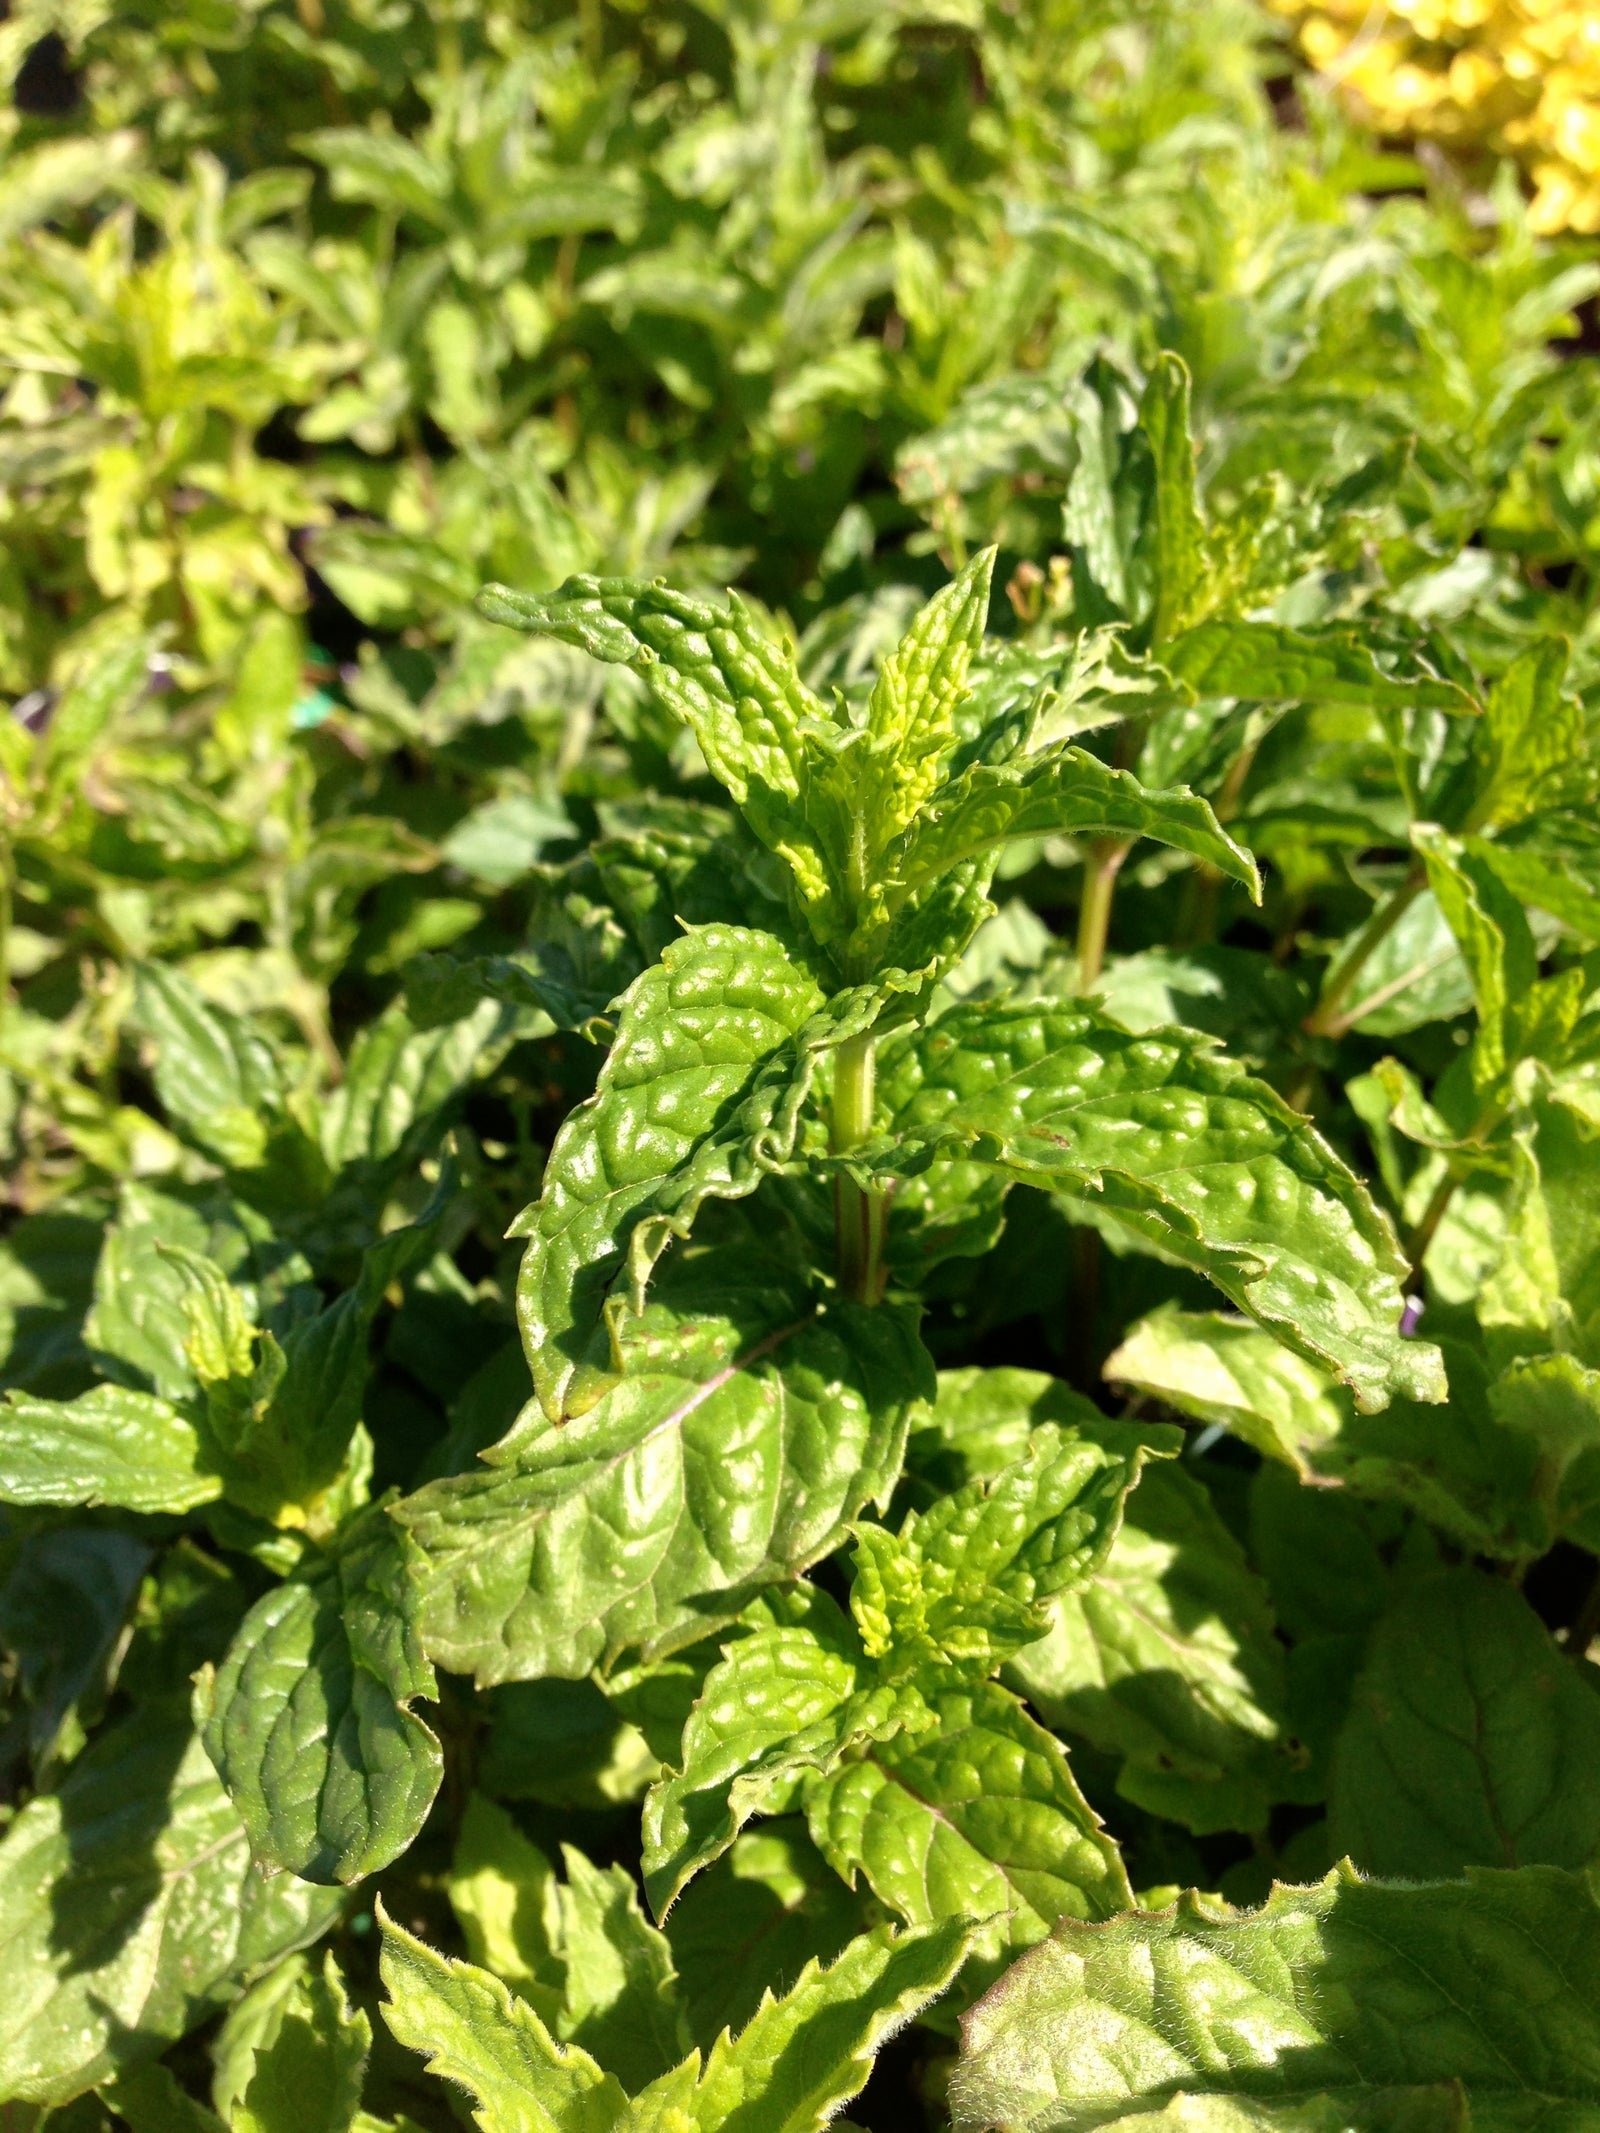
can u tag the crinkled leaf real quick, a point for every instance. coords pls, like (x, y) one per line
(215, 1074)
(1163, 1137)
(1471, 1739)
(807, 2052)
(1530, 746)
(699, 1098)
(1268, 659)
(129, 1909)
(769, 1906)
(1063, 792)
(977, 1816)
(711, 666)
(309, 1717)
(753, 1426)
(1325, 1996)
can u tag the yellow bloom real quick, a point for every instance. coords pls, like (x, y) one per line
(1518, 77)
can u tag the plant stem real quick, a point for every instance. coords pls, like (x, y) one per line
(1586, 1623)
(860, 1214)
(1326, 1019)
(1100, 872)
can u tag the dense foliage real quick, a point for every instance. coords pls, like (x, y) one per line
(736, 1318)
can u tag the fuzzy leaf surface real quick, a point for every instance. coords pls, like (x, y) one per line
(1323, 1997)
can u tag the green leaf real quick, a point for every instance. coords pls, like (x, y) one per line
(127, 1450)
(781, 1701)
(805, 2053)
(939, 1603)
(1168, 1660)
(1322, 1998)
(216, 1076)
(65, 1597)
(699, 1097)
(1530, 747)
(1505, 1469)
(475, 2033)
(1268, 660)
(1228, 1372)
(1063, 792)
(982, 1420)
(581, 1952)
(769, 1905)
(976, 1816)
(1178, 557)
(756, 1426)
(1471, 1739)
(309, 1717)
(965, 1582)
(711, 667)
(129, 1910)
(910, 727)
(1496, 942)
(292, 2055)
(1161, 1136)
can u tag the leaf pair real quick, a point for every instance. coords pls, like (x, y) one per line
(888, 847)
(912, 1767)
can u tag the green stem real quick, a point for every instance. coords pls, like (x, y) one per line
(860, 1214)
(1100, 871)
(1327, 1018)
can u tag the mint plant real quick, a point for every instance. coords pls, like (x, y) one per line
(827, 1347)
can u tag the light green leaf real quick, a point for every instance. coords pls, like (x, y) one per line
(781, 1701)
(1168, 1660)
(1323, 1997)
(292, 2055)
(1505, 1469)
(1471, 1739)
(976, 1816)
(756, 1427)
(581, 1952)
(309, 1717)
(1496, 942)
(1226, 1371)
(699, 1097)
(1554, 1401)
(1179, 1145)
(473, 2032)
(1063, 792)
(1269, 660)
(1530, 747)
(216, 1076)
(129, 1910)
(982, 1420)
(806, 2053)
(910, 724)
(710, 666)
(938, 1604)
(1178, 545)
(127, 1450)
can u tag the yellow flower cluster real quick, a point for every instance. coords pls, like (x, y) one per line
(1521, 77)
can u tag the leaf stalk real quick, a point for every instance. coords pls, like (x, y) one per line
(860, 1214)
